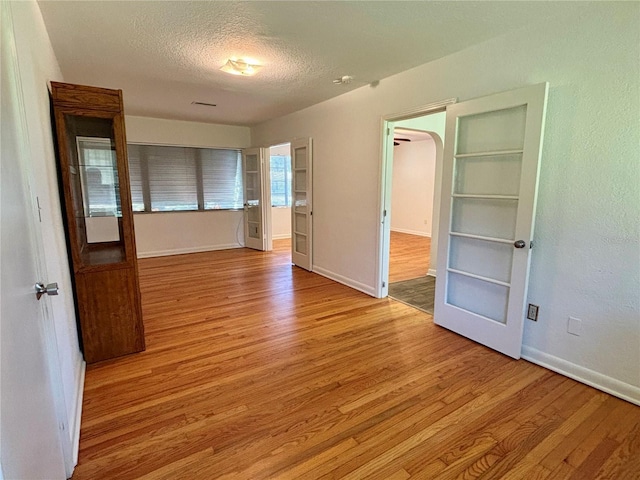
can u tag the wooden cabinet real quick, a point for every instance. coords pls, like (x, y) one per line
(94, 178)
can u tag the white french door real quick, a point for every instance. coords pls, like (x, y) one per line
(487, 212)
(256, 197)
(302, 205)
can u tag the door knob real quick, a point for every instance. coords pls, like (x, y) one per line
(49, 289)
(519, 244)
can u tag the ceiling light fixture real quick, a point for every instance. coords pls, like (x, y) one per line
(343, 80)
(240, 66)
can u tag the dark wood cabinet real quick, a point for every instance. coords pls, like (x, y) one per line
(94, 171)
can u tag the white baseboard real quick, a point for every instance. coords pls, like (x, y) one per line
(77, 417)
(411, 232)
(431, 272)
(181, 251)
(281, 236)
(584, 375)
(345, 281)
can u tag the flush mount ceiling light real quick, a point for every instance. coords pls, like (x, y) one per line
(343, 80)
(240, 66)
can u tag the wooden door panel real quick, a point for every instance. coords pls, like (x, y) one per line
(110, 319)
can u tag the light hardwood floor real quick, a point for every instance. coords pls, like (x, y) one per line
(256, 369)
(409, 256)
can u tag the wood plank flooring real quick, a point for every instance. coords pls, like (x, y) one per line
(409, 256)
(259, 370)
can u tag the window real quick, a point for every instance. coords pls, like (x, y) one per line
(98, 177)
(280, 181)
(169, 179)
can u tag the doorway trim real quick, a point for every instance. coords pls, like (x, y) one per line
(385, 175)
(270, 236)
(266, 182)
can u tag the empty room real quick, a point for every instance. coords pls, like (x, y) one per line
(206, 206)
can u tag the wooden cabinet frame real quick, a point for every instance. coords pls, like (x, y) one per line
(105, 273)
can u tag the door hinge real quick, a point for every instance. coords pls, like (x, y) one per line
(531, 244)
(39, 209)
(388, 131)
(384, 284)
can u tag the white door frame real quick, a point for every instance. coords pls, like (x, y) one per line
(386, 175)
(269, 230)
(265, 181)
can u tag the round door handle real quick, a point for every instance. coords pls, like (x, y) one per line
(519, 244)
(49, 289)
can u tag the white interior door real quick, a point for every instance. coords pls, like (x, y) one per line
(31, 445)
(255, 198)
(489, 191)
(385, 220)
(302, 208)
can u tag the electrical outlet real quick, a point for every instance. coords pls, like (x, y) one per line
(574, 326)
(532, 312)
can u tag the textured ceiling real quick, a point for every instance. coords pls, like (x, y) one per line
(164, 55)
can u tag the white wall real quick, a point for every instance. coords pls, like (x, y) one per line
(185, 232)
(435, 124)
(181, 133)
(586, 260)
(38, 65)
(173, 233)
(282, 149)
(414, 171)
(280, 222)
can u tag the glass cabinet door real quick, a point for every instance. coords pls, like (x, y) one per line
(94, 181)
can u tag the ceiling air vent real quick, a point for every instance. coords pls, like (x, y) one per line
(205, 104)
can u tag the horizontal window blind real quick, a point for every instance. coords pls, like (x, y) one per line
(280, 170)
(135, 178)
(166, 178)
(99, 177)
(172, 179)
(221, 179)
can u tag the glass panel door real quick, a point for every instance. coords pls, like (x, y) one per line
(489, 184)
(484, 210)
(253, 205)
(301, 211)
